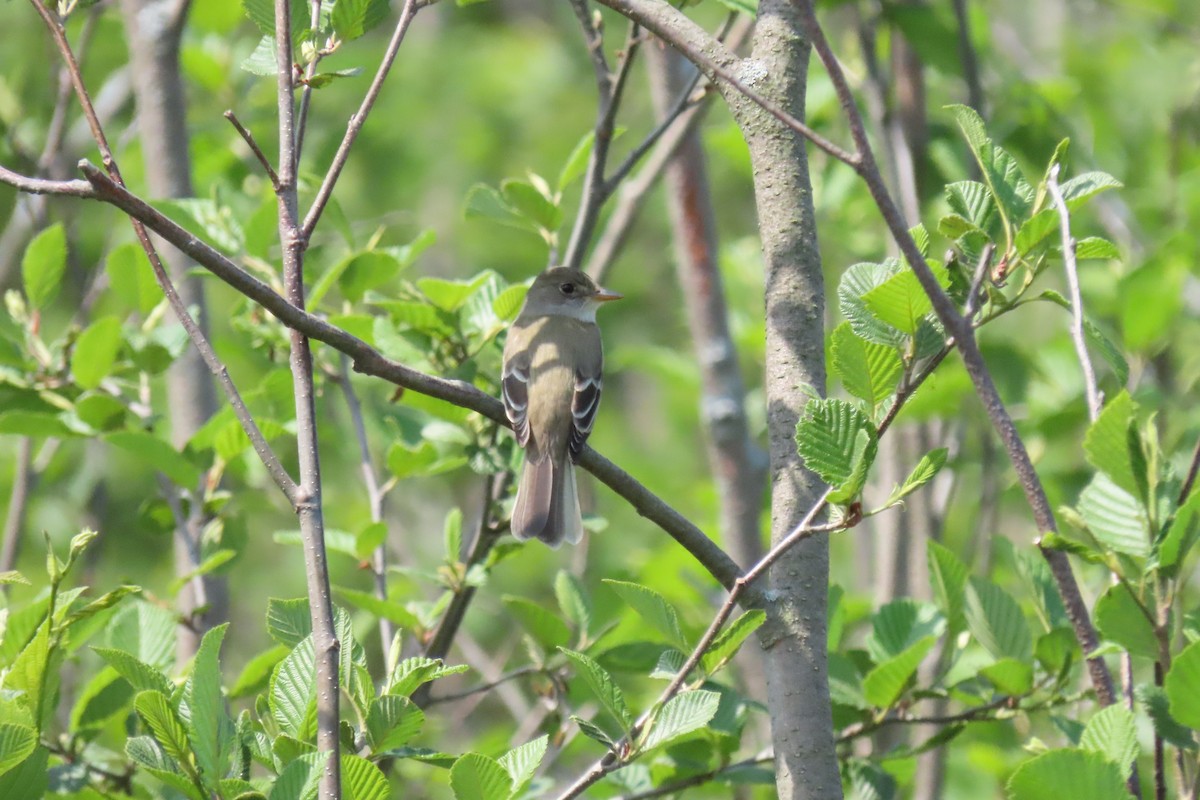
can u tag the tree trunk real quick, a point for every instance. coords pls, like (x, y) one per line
(795, 636)
(153, 29)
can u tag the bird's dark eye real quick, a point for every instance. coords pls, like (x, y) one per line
(567, 288)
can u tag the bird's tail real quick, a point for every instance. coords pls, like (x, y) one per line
(547, 505)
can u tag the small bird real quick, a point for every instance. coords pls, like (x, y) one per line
(551, 386)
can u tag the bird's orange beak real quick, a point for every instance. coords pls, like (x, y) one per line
(604, 295)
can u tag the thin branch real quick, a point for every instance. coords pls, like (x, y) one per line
(1077, 333)
(30, 185)
(375, 497)
(309, 507)
(975, 293)
(669, 24)
(1190, 481)
(483, 687)
(609, 87)
(254, 148)
(357, 121)
(976, 713)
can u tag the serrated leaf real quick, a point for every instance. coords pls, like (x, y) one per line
(413, 672)
(486, 202)
(508, 303)
(884, 684)
(16, 743)
(679, 716)
(547, 629)
(385, 609)
(653, 608)
(1157, 706)
(573, 601)
(1010, 676)
(1111, 732)
(362, 780)
(996, 621)
(43, 265)
(837, 441)
(1121, 620)
(1182, 686)
(29, 778)
(452, 534)
(522, 762)
(857, 281)
(209, 724)
(971, 201)
(364, 271)
(524, 198)
(145, 631)
(899, 301)
(288, 621)
(1108, 441)
(1111, 354)
(293, 696)
(1114, 517)
(477, 777)
(392, 721)
(868, 370)
(729, 641)
(1035, 230)
(105, 695)
(592, 731)
(156, 711)
(256, 675)
(352, 18)
(450, 295)
(1069, 772)
(926, 469)
(901, 623)
(1180, 535)
(603, 686)
(138, 674)
(1008, 187)
(1096, 247)
(1081, 187)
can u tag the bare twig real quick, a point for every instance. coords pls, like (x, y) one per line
(973, 714)
(375, 497)
(254, 148)
(30, 185)
(309, 507)
(676, 787)
(483, 687)
(357, 121)
(609, 87)
(1077, 332)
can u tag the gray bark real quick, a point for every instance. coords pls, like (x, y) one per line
(153, 29)
(795, 641)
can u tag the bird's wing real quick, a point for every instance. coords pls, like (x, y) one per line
(584, 404)
(514, 382)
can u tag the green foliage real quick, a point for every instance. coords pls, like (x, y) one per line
(837, 441)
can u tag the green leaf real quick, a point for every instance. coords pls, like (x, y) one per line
(972, 202)
(868, 370)
(413, 672)
(288, 621)
(522, 762)
(95, 352)
(547, 629)
(885, 684)
(450, 295)
(901, 623)
(653, 608)
(1069, 772)
(508, 303)
(145, 631)
(100, 699)
(17, 742)
(593, 731)
(34, 674)
(452, 534)
(29, 778)
(524, 198)
(682, 714)
(899, 301)
(392, 721)
(158, 454)
(1157, 706)
(43, 265)
(930, 464)
(1180, 535)
(1108, 441)
(857, 281)
(1111, 732)
(300, 779)
(256, 675)
(477, 777)
(577, 161)
(1097, 248)
(603, 686)
(140, 675)
(369, 539)
(996, 621)
(1121, 620)
(837, 441)
(744, 6)
(352, 18)
(1008, 187)
(362, 780)
(1111, 354)
(369, 269)
(293, 694)
(486, 202)
(1115, 517)
(729, 641)
(1010, 676)
(573, 601)
(210, 727)
(385, 609)
(208, 220)
(1081, 187)
(1183, 686)
(1035, 230)
(156, 711)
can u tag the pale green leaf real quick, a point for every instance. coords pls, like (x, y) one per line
(1183, 686)
(837, 441)
(96, 351)
(477, 777)
(1111, 732)
(729, 641)
(996, 621)
(926, 469)
(884, 684)
(522, 762)
(603, 686)
(43, 265)
(682, 714)
(653, 608)
(1067, 773)
(868, 370)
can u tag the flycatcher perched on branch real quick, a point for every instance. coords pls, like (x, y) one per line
(551, 385)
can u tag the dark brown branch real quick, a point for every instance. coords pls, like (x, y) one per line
(254, 148)
(357, 121)
(483, 687)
